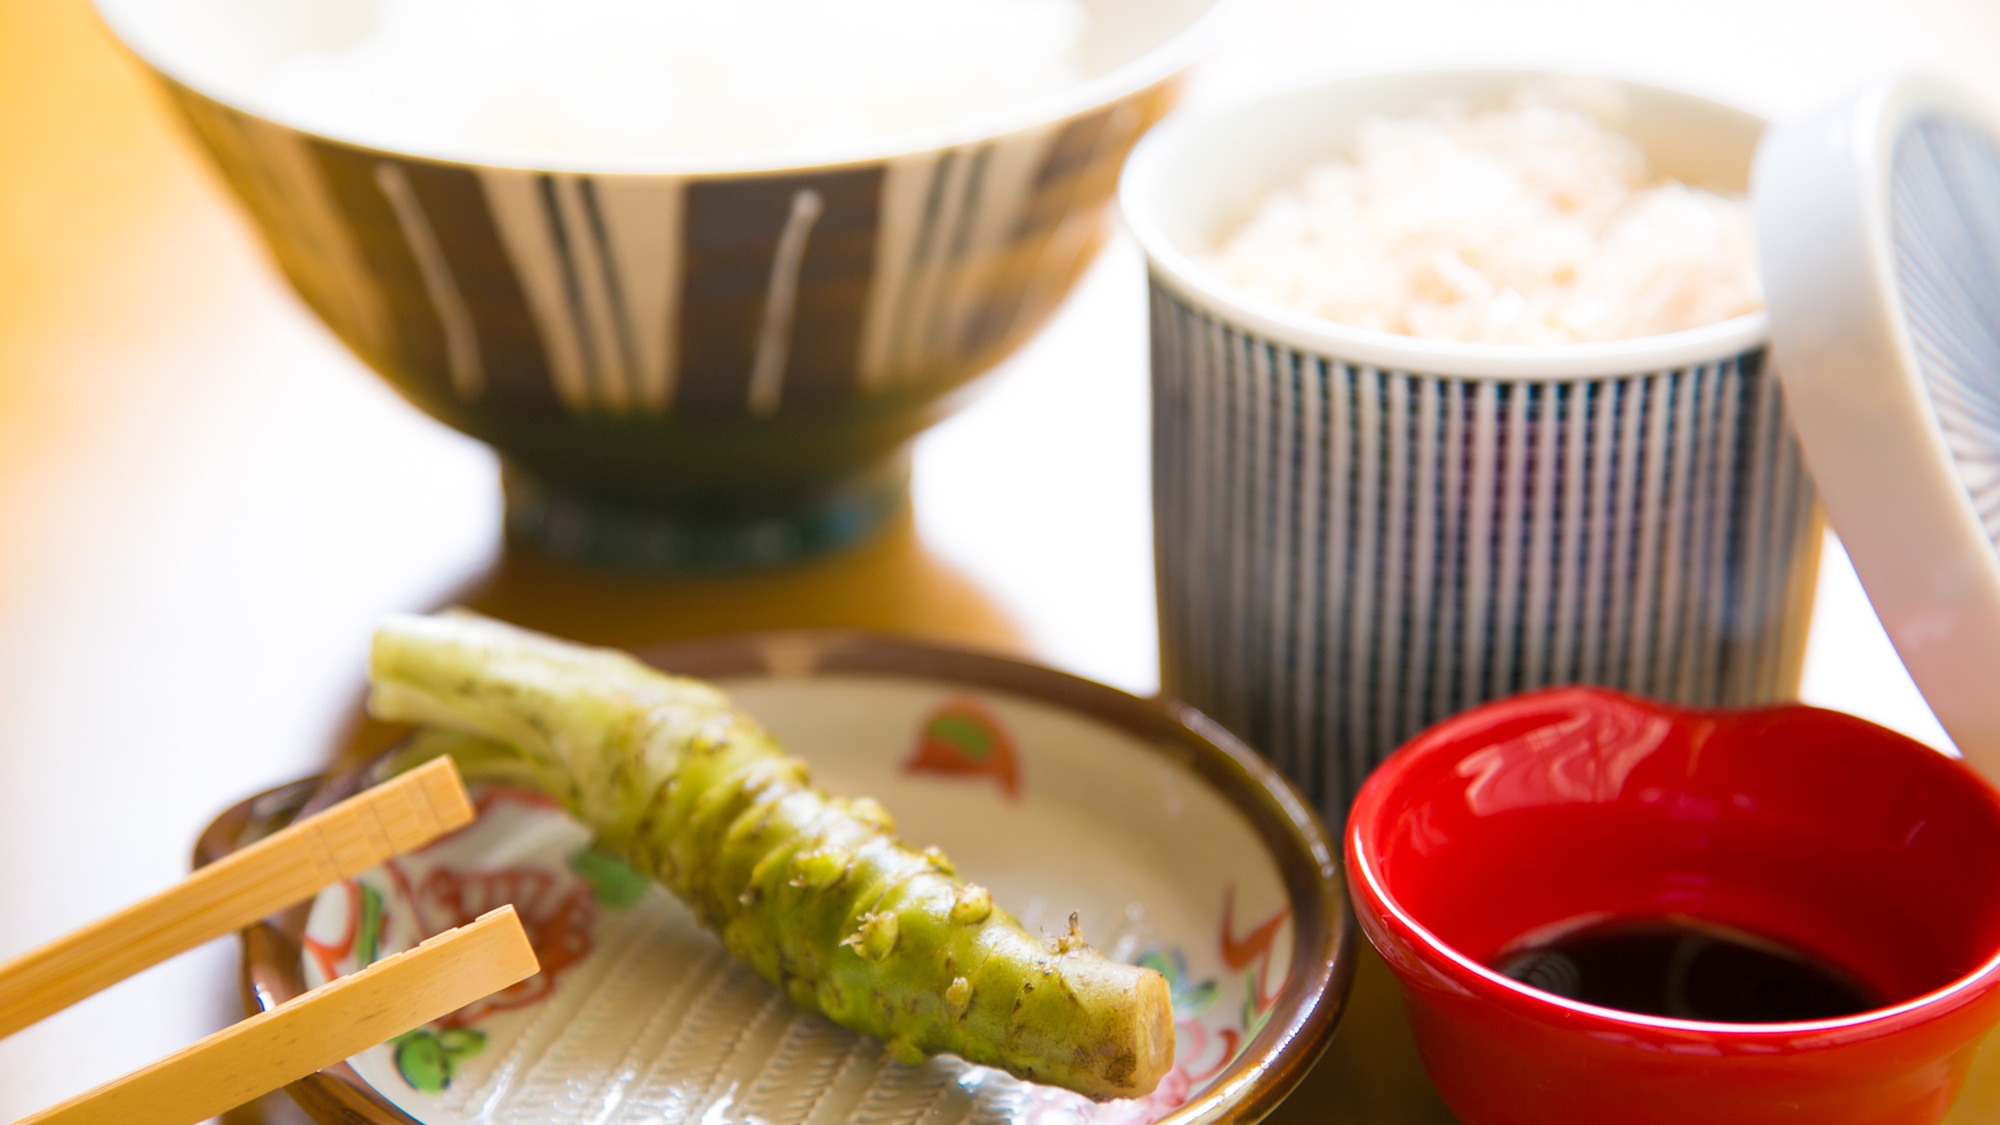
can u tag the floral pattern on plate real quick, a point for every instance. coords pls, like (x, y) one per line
(639, 1016)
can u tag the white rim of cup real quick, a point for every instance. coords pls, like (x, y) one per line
(1179, 271)
(1176, 54)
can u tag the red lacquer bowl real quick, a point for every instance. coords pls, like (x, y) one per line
(1842, 839)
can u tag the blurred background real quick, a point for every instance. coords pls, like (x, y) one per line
(205, 503)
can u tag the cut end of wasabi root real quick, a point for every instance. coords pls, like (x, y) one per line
(812, 891)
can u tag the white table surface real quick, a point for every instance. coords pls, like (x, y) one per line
(220, 666)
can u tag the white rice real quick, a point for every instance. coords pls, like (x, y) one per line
(676, 76)
(1524, 224)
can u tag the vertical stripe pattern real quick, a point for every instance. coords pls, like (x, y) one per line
(1945, 223)
(461, 337)
(737, 298)
(1347, 554)
(774, 334)
(273, 171)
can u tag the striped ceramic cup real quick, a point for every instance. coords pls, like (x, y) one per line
(1360, 533)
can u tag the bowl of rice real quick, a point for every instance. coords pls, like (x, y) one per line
(698, 272)
(1460, 389)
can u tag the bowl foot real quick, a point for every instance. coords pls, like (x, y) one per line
(713, 534)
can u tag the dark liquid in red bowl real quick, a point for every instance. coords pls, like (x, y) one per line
(1690, 970)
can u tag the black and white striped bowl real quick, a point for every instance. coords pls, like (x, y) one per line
(685, 362)
(1360, 533)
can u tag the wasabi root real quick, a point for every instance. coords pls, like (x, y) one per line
(814, 892)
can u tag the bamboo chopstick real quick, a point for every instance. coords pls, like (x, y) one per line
(332, 1022)
(281, 870)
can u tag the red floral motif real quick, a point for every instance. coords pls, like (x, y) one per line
(557, 913)
(327, 955)
(1254, 947)
(962, 738)
(1211, 1049)
(1194, 1038)
(555, 909)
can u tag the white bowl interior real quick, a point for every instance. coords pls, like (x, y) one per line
(1195, 178)
(228, 50)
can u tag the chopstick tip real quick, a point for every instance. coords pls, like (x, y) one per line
(444, 789)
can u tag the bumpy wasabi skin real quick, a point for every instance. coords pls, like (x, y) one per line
(813, 892)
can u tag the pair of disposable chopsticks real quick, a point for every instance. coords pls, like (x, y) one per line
(332, 1022)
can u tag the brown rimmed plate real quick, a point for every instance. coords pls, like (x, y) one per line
(1175, 843)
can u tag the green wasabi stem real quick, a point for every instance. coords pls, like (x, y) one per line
(814, 892)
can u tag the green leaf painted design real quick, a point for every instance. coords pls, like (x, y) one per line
(422, 1061)
(428, 1059)
(1194, 1001)
(969, 735)
(1189, 998)
(615, 884)
(461, 1043)
(368, 936)
(1162, 964)
(1253, 1020)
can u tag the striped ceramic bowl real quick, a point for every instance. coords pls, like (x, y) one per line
(1360, 533)
(684, 363)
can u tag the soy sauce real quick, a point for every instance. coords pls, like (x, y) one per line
(1691, 970)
